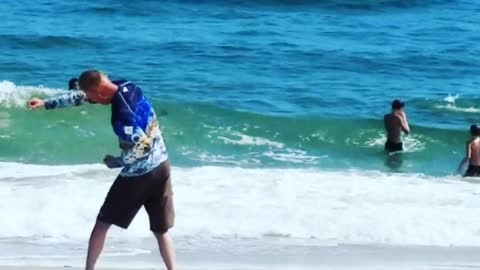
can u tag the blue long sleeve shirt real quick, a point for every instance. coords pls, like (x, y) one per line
(134, 122)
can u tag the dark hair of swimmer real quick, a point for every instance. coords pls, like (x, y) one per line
(474, 130)
(397, 104)
(73, 84)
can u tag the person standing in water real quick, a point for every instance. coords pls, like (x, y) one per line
(145, 177)
(396, 122)
(472, 154)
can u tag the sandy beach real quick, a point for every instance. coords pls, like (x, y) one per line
(338, 257)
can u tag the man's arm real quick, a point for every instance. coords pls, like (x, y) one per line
(463, 164)
(385, 122)
(75, 98)
(135, 143)
(404, 123)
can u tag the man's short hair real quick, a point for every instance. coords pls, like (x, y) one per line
(474, 130)
(89, 79)
(72, 84)
(397, 104)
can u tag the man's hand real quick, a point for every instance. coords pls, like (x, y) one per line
(111, 162)
(402, 118)
(35, 103)
(401, 114)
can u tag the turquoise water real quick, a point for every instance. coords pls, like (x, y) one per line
(269, 84)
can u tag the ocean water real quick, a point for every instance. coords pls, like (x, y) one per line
(271, 111)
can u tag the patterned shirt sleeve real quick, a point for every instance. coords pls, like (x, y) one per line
(74, 98)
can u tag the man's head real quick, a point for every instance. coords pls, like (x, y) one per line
(73, 84)
(96, 86)
(397, 105)
(90, 80)
(475, 130)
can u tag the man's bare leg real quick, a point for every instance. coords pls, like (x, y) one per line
(165, 244)
(95, 245)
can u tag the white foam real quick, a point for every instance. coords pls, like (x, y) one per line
(60, 205)
(243, 139)
(322, 136)
(13, 170)
(230, 136)
(379, 140)
(451, 106)
(411, 143)
(451, 99)
(213, 158)
(454, 108)
(293, 156)
(12, 95)
(414, 143)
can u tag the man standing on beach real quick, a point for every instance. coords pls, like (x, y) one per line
(145, 177)
(396, 122)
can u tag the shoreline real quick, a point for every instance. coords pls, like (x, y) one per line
(273, 257)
